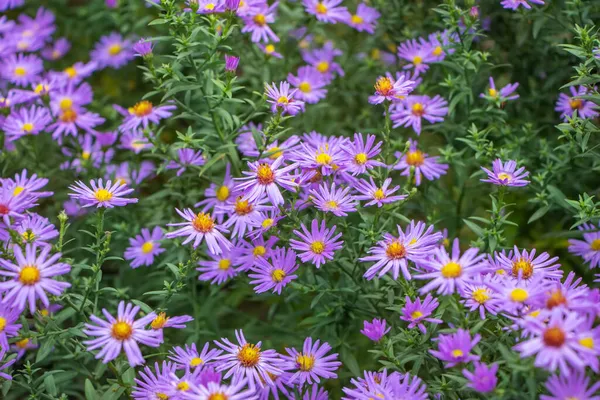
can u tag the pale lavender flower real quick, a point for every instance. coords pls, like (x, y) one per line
(515, 4)
(276, 274)
(282, 99)
(249, 253)
(387, 88)
(506, 174)
(415, 312)
(264, 179)
(361, 154)
(144, 247)
(218, 195)
(483, 379)
(309, 83)
(244, 215)
(189, 357)
(317, 245)
(323, 60)
(573, 386)
(338, 202)
(26, 121)
(186, 158)
(502, 95)
(239, 389)
(71, 121)
(270, 51)
(106, 195)
(375, 329)
(36, 229)
(568, 105)
(311, 364)
(198, 227)
(479, 294)
(257, 20)
(142, 114)
(328, 11)
(416, 54)
(364, 19)
(589, 247)
(112, 51)
(456, 348)
(411, 111)
(154, 385)
(9, 328)
(377, 195)
(220, 269)
(423, 164)
(525, 265)
(21, 69)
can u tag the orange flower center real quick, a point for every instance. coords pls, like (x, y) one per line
(418, 109)
(68, 116)
(141, 109)
(556, 299)
(384, 86)
(160, 321)
(260, 19)
(122, 330)
(524, 267)
(554, 337)
(265, 174)
(249, 355)
(203, 223)
(576, 104)
(415, 158)
(242, 207)
(395, 250)
(29, 275)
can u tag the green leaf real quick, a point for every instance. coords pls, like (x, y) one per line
(558, 196)
(539, 213)
(90, 392)
(349, 361)
(50, 385)
(474, 227)
(45, 349)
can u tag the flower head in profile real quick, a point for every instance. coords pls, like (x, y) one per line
(483, 379)
(198, 227)
(502, 95)
(328, 11)
(9, 328)
(142, 114)
(144, 247)
(506, 174)
(421, 163)
(143, 47)
(231, 63)
(312, 363)
(515, 4)
(189, 357)
(589, 247)
(416, 312)
(122, 333)
(456, 348)
(282, 99)
(265, 179)
(317, 245)
(375, 329)
(377, 195)
(413, 109)
(186, 158)
(390, 89)
(101, 194)
(364, 19)
(568, 105)
(275, 273)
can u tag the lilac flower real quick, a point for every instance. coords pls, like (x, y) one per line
(121, 333)
(27, 185)
(324, 156)
(8, 326)
(456, 348)
(377, 194)
(135, 141)
(71, 96)
(186, 158)
(6, 366)
(323, 60)
(375, 329)
(387, 88)
(8, 5)
(112, 51)
(338, 202)
(318, 244)
(243, 214)
(220, 268)
(106, 195)
(516, 294)
(189, 357)
(143, 47)
(282, 99)
(249, 253)
(143, 248)
(266, 179)
(415, 312)
(276, 274)
(423, 165)
(328, 11)
(154, 385)
(198, 227)
(269, 50)
(77, 72)
(232, 5)
(209, 6)
(257, 22)
(312, 363)
(70, 121)
(567, 105)
(478, 294)
(142, 114)
(36, 229)
(248, 360)
(20, 69)
(21, 347)
(315, 393)
(502, 95)
(525, 265)
(13, 205)
(361, 154)
(231, 63)
(416, 54)
(30, 277)
(310, 84)
(483, 378)
(214, 390)
(26, 121)
(506, 174)
(218, 195)
(589, 247)
(514, 4)
(413, 109)
(365, 19)
(393, 253)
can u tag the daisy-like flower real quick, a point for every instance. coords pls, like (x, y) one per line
(379, 195)
(589, 247)
(76, 72)
(311, 364)
(6, 365)
(282, 99)
(134, 141)
(249, 253)
(30, 277)
(70, 121)
(21, 347)
(13, 206)
(364, 19)
(310, 84)
(525, 265)
(483, 379)
(220, 269)
(393, 253)
(26, 121)
(506, 174)
(375, 329)
(106, 195)
(554, 342)
(189, 357)
(338, 202)
(361, 154)
(424, 166)
(71, 96)
(270, 51)
(450, 273)
(237, 390)
(415, 312)
(324, 155)
(502, 95)
(143, 47)
(218, 195)
(186, 158)
(142, 114)
(112, 51)
(154, 384)
(567, 105)
(317, 245)
(328, 11)
(244, 215)
(248, 360)
(387, 88)
(264, 179)
(26, 185)
(276, 274)
(479, 294)
(456, 348)
(209, 6)
(257, 21)
(20, 69)
(323, 60)
(516, 294)
(412, 110)
(417, 55)
(144, 247)
(121, 333)
(36, 229)
(9, 316)
(573, 386)
(515, 4)
(161, 321)
(198, 227)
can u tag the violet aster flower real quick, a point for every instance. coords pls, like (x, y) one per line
(142, 114)
(218, 195)
(36, 229)
(8, 5)
(315, 393)
(9, 328)
(231, 63)
(364, 19)
(70, 121)
(13, 205)
(209, 6)
(361, 154)
(143, 47)
(249, 253)
(423, 164)
(412, 110)
(282, 99)
(21, 347)
(516, 294)
(415, 312)
(483, 379)
(186, 158)
(135, 141)
(311, 364)
(244, 215)
(479, 294)
(567, 105)
(456, 348)
(338, 202)
(78, 71)
(575, 386)
(375, 329)
(27, 185)
(502, 95)
(506, 174)
(275, 274)
(328, 11)
(121, 333)
(6, 366)
(416, 54)
(374, 194)
(57, 49)
(270, 51)
(515, 4)
(387, 88)
(189, 357)
(323, 60)
(248, 360)
(257, 21)
(198, 227)
(220, 269)
(26, 121)
(554, 342)
(589, 247)
(450, 273)
(112, 51)
(324, 156)
(154, 385)
(525, 265)
(106, 195)
(393, 253)
(144, 247)
(71, 96)
(20, 69)
(237, 390)
(310, 84)
(30, 277)
(317, 245)
(232, 5)
(161, 321)
(264, 179)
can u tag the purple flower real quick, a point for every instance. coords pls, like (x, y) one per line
(198, 227)
(249, 253)
(154, 384)
(4, 6)
(415, 312)
(8, 326)
(264, 179)
(503, 95)
(232, 5)
(575, 386)
(276, 274)
(186, 158)
(379, 195)
(315, 393)
(338, 202)
(36, 229)
(243, 214)
(312, 363)
(483, 378)
(106, 195)
(375, 329)
(161, 321)
(516, 294)
(269, 50)
(71, 96)
(568, 105)
(310, 84)
(213, 390)
(525, 265)
(71, 120)
(321, 154)
(327, 11)
(365, 19)
(589, 247)
(121, 333)
(423, 165)
(77, 72)
(112, 51)
(20, 69)
(456, 348)
(143, 47)
(6, 364)
(479, 294)
(413, 109)
(361, 154)
(218, 195)
(231, 63)
(143, 248)
(220, 269)
(189, 357)
(322, 60)
(282, 99)
(416, 54)
(135, 141)
(506, 174)
(386, 88)
(318, 244)
(257, 22)
(142, 114)
(209, 6)
(12, 205)
(515, 4)
(26, 121)
(30, 277)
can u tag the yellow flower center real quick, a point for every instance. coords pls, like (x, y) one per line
(224, 263)
(283, 100)
(243, 207)
(535, 313)
(29, 275)
(162, 396)
(55, 54)
(554, 337)
(395, 250)
(259, 251)
(305, 87)
(418, 109)
(203, 223)
(457, 353)
(275, 152)
(122, 330)
(68, 116)
(40, 87)
(415, 158)
(160, 321)
(361, 158)
(260, 19)
(3, 324)
(269, 49)
(519, 295)
(18, 190)
(416, 314)
(218, 396)
(278, 275)
(323, 159)
(384, 86)
(585, 342)
(379, 194)
(249, 355)
(321, 8)
(85, 155)
(115, 49)
(323, 67)
(103, 195)
(317, 247)
(595, 245)
(305, 362)
(22, 343)
(20, 71)
(194, 362)
(357, 19)
(332, 204)
(183, 386)
(417, 60)
(267, 223)
(480, 295)
(438, 51)
(503, 176)
(576, 104)
(265, 174)
(451, 270)
(147, 247)
(222, 193)
(28, 235)
(71, 72)
(523, 267)
(65, 103)
(556, 299)
(209, 6)
(141, 109)
(493, 92)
